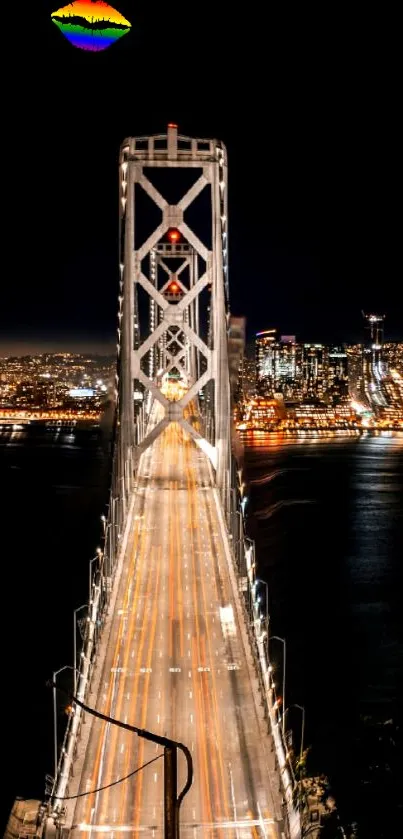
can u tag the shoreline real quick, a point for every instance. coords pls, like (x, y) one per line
(318, 432)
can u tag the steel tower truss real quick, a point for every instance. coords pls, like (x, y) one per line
(174, 339)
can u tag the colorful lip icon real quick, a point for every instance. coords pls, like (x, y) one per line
(91, 24)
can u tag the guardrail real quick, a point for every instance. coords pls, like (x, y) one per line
(102, 585)
(114, 541)
(72, 731)
(244, 561)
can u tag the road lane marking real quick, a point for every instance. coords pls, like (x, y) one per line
(131, 566)
(137, 597)
(223, 796)
(144, 698)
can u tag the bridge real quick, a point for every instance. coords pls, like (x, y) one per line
(175, 643)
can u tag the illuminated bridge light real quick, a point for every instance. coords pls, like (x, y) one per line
(174, 235)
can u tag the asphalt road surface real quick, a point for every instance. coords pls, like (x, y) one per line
(176, 665)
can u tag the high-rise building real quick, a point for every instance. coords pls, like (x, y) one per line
(314, 371)
(355, 369)
(278, 365)
(264, 357)
(236, 349)
(373, 346)
(337, 375)
(374, 368)
(287, 368)
(374, 325)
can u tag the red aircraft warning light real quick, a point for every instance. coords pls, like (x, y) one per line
(173, 287)
(173, 235)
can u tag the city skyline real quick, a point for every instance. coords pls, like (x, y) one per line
(105, 344)
(40, 346)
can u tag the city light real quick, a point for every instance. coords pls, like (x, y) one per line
(54, 388)
(290, 386)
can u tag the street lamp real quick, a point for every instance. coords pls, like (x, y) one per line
(302, 709)
(172, 801)
(103, 520)
(263, 583)
(55, 675)
(282, 640)
(76, 611)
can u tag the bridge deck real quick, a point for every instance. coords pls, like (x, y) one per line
(176, 664)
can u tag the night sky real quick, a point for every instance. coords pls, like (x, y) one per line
(307, 106)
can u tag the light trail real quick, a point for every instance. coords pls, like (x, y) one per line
(172, 667)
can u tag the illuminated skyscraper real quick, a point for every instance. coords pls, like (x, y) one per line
(279, 365)
(337, 375)
(374, 325)
(264, 356)
(355, 367)
(373, 366)
(287, 367)
(236, 350)
(314, 370)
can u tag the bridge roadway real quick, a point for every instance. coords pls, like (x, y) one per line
(176, 664)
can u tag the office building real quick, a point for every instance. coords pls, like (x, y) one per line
(314, 371)
(337, 375)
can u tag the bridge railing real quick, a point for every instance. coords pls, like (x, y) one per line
(115, 523)
(244, 559)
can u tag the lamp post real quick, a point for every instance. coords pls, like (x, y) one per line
(263, 583)
(55, 675)
(76, 611)
(96, 558)
(302, 709)
(282, 640)
(249, 567)
(238, 532)
(172, 801)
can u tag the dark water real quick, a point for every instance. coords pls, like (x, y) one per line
(52, 496)
(331, 549)
(329, 531)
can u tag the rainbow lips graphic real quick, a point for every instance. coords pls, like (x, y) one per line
(91, 24)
